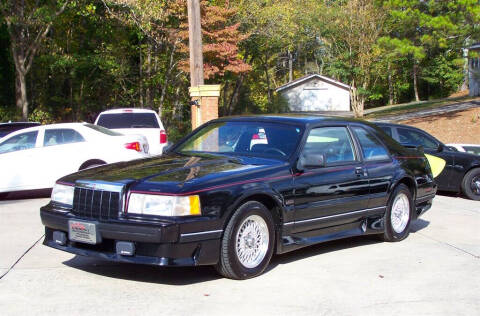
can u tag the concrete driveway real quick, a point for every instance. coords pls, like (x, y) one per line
(436, 271)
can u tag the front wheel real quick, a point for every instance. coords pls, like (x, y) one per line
(399, 214)
(247, 244)
(471, 184)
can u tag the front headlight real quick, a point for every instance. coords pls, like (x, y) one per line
(164, 205)
(63, 194)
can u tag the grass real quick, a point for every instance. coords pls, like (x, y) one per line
(413, 107)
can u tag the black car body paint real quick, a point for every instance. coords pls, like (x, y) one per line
(308, 206)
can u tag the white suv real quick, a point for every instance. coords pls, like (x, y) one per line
(136, 121)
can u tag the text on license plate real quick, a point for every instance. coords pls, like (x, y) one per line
(82, 232)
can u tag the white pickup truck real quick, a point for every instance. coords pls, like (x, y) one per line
(136, 121)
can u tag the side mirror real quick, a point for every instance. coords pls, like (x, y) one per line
(311, 161)
(441, 147)
(167, 147)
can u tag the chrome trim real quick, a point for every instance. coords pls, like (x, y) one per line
(202, 233)
(105, 186)
(336, 215)
(100, 185)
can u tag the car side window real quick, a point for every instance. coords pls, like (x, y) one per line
(333, 142)
(412, 137)
(372, 149)
(61, 136)
(19, 142)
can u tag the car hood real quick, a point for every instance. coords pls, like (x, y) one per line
(175, 173)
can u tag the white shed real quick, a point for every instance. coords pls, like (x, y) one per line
(314, 93)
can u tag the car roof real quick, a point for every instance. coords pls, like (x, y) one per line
(392, 124)
(127, 110)
(49, 126)
(457, 144)
(19, 124)
(293, 118)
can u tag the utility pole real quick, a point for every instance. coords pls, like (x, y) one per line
(204, 97)
(195, 43)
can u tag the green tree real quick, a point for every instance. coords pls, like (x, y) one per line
(28, 24)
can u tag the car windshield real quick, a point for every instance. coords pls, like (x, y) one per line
(102, 130)
(128, 120)
(258, 139)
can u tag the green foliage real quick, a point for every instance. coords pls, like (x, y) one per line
(127, 53)
(43, 117)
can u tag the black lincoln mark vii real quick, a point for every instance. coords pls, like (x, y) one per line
(237, 190)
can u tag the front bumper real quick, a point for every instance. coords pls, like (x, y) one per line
(160, 244)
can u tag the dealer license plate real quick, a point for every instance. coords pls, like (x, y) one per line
(82, 232)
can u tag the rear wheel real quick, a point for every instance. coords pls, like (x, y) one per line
(471, 184)
(247, 243)
(399, 214)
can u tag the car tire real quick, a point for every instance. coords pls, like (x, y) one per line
(241, 255)
(399, 214)
(471, 184)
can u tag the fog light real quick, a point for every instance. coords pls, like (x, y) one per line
(125, 248)
(60, 238)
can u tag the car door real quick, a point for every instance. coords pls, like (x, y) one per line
(408, 136)
(18, 165)
(63, 150)
(330, 195)
(379, 165)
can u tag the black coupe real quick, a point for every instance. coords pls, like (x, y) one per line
(224, 197)
(462, 170)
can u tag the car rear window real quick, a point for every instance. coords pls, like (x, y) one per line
(128, 120)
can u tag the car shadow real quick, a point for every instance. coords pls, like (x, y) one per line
(323, 248)
(144, 273)
(192, 275)
(418, 225)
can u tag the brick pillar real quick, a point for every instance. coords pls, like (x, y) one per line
(207, 99)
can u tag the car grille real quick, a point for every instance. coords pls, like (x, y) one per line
(96, 204)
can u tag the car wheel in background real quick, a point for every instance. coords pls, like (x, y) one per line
(247, 243)
(471, 184)
(399, 214)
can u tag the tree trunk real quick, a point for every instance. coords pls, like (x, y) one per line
(148, 92)
(357, 101)
(177, 105)
(290, 67)
(79, 101)
(415, 81)
(225, 98)
(24, 45)
(390, 85)
(171, 65)
(21, 93)
(267, 77)
(140, 83)
(234, 97)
